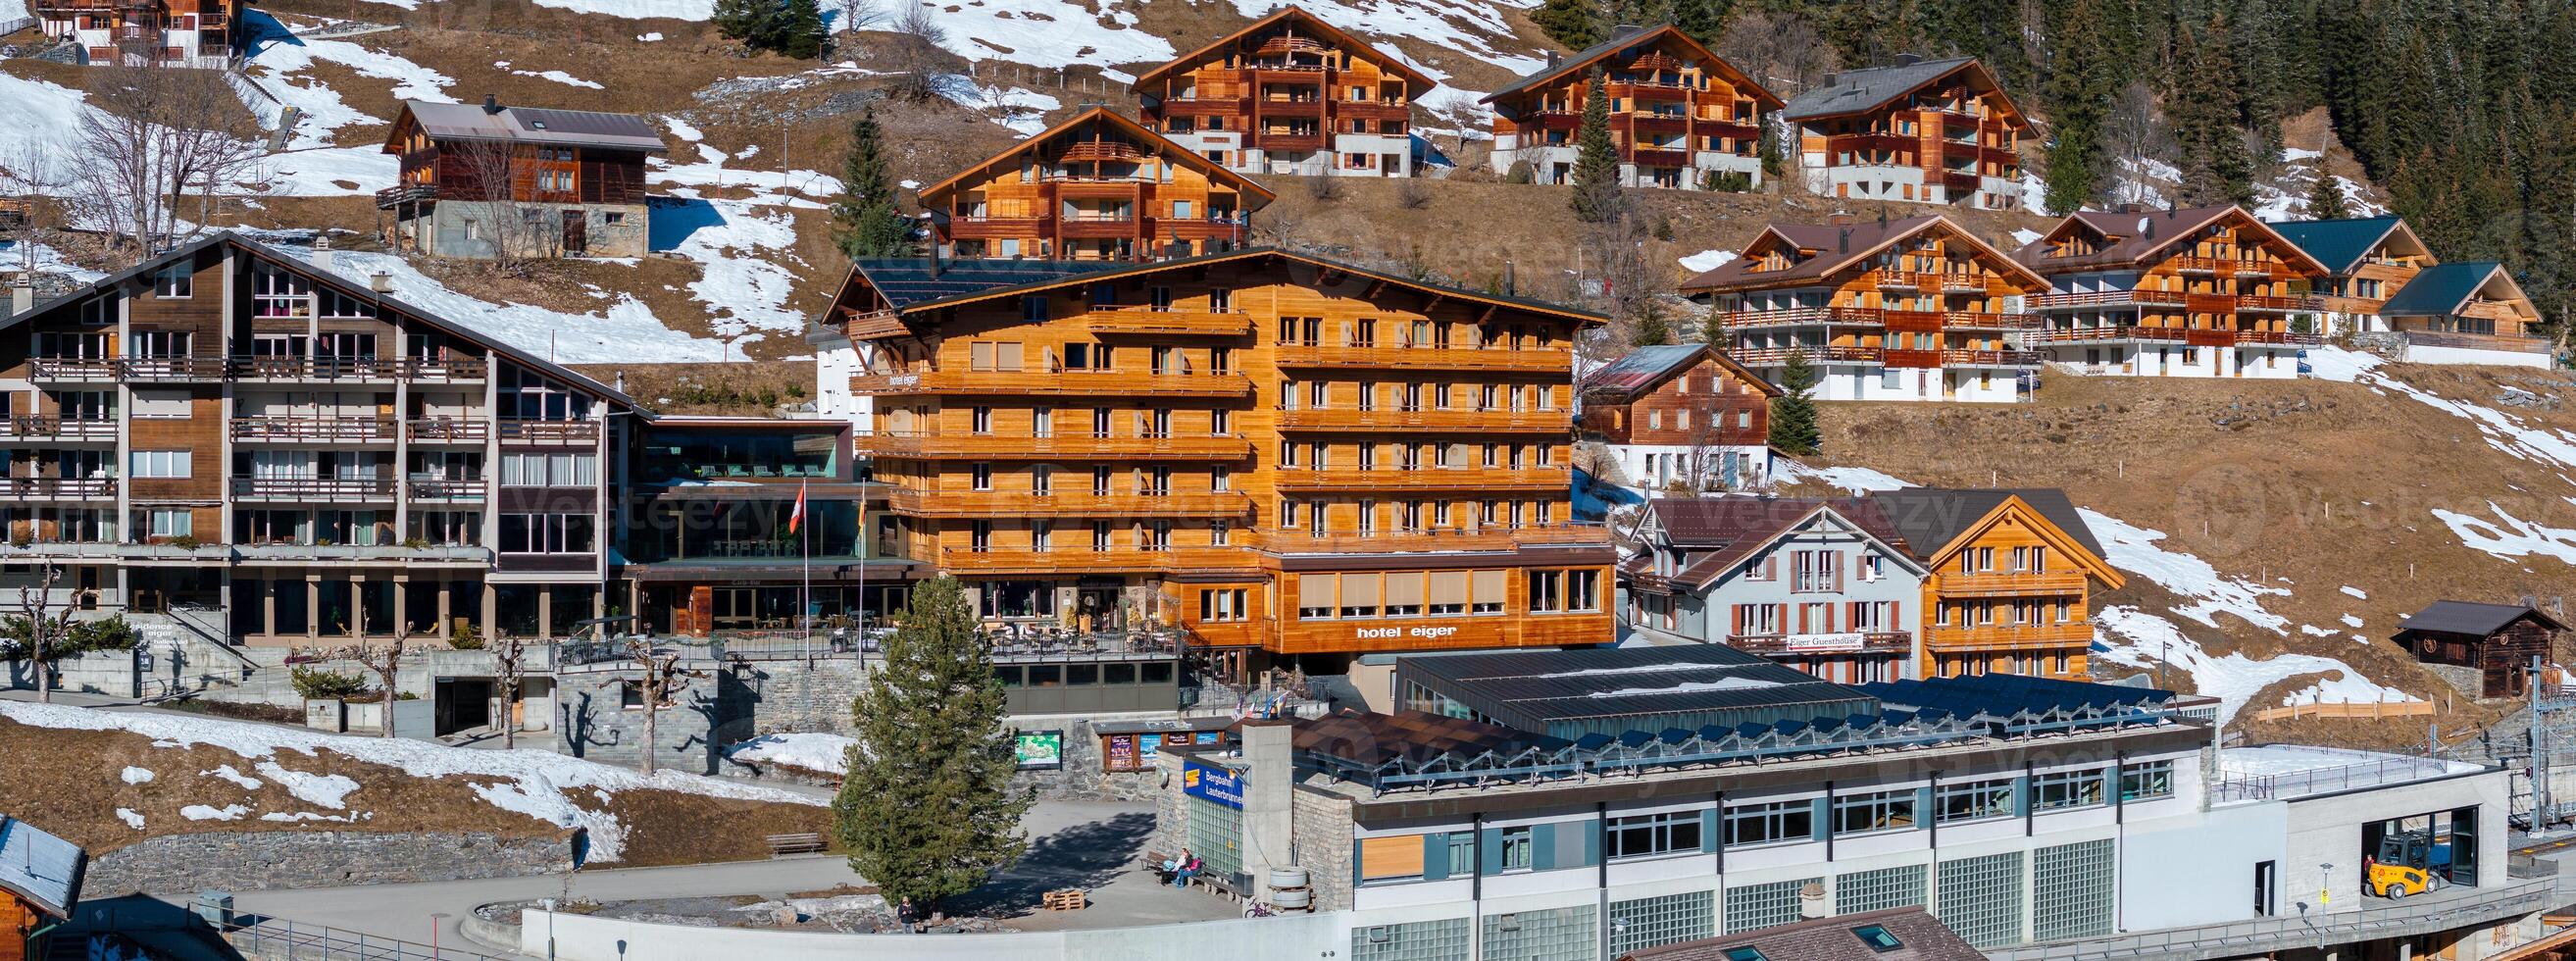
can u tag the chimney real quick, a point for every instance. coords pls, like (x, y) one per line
(322, 253)
(1511, 281)
(620, 384)
(1554, 58)
(22, 294)
(1908, 59)
(381, 282)
(2131, 207)
(1811, 901)
(1831, 77)
(1840, 218)
(1842, 241)
(491, 104)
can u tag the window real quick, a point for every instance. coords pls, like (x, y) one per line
(983, 477)
(1877, 938)
(2066, 789)
(1546, 591)
(1582, 590)
(549, 470)
(1874, 811)
(164, 464)
(1747, 953)
(174, 281)
(2153, 779)
(1873, 567)
(1518, 846)
(169, 523)
(983, 420)
(1224, 604)
(546, 534)
(1771, 822)
(1672, 832)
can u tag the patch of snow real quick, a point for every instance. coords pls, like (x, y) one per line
(626, 331)
(682, 128)
(654, 37)
(2502, 431)
(1721, 684)
(2133, 548)
(246, 782)
(2312, 630)
(137, 775)
(540, 784)
(2127, 635)
(2026, 237)
(1854, 479)
(39, 120)
(200, 812)
(1020, 110)
(47, 260)
(327, 790)
(823, 753)
(2511, 537)
(132, 818)
(2351, 621)
(1707, 260)
(558, 76)
(278, 60)
(2355, 591)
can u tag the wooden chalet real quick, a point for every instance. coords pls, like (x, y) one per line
(1681, 413)
(2367, 261)
(1283, 455)
(1915, 308)
(2008, 579)
(1822, 585)
(575, 179)
(2199, 292)
(1680, 115)
(1288, 94)
(2471, 312)
(1096, 187)
(2498, 641)
(40, 885)
(1928, 131)
(181, 33)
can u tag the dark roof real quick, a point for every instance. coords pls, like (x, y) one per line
(1062, 271)
(1721, 531)
(1622, 39)
(1628, 681)
(1162, 146)
(1647, 368)
(43, 869)
(1838, 246)
(2471, 617)
(2338, 244)
(1339, 36)
(342, 284)
(906, 281)
(1929, 518)
(1856, 91)
(1378, 738)
(1920, 937)
(2134, 236)
(2440, 289)
(580, 128)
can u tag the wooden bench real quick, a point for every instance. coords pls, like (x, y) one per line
(1068, 899)
(784, 844)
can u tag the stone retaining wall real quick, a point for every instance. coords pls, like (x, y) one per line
(262, 860)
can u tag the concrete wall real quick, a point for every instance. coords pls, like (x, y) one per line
(261, 860)
(2200, 870)
(444, 228)
(2418, 354)
(714, 711)
(583, 938)
(2326, 829)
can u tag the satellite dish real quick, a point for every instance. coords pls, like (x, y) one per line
(2142, 225)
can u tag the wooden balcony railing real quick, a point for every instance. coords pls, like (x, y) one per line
(2459, 341)
(1437, 539)
(1805, 317)
(1426, 479)
(314, 488)
(70, 368)
(1000, 447)
(447, 430)
(1819, 353)
(2070, 335)
(2278, 337)
(158, 369)
(548, 431)
(443, 489)
(400, 194)
(1112, 319)
(1401, 420)
(2248, 302)
(2013, 584)
(57, 429)
(1992, 358)
(1659, 156)
(2007, 636)
(921, 503)
(433, 369)
(1101, 383)
(1425, 357)
(1070, 559)
(57, 488)
(2108, 298)
(303, 429)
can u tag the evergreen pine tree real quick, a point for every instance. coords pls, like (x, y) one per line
(743, 20)
(927, 810)
(1573, 23)
(865, 221)
(1702, 20)
(799, 32)
(1651, 328)
(1597, 198)
(1793, 413)
(2078, 98)
(1772, 163)
(2217, 167)
(2325, 200)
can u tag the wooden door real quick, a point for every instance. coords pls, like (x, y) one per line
(576, 232)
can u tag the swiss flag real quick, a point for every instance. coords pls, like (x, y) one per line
(796, 518)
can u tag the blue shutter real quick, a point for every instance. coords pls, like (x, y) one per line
(1543, 847)
(1711, 821)
(1923, 813)
(1823, 825)
(1489, 858)
(1359, 869)
(1435, 856)
(1591, 843)
(2021, 796)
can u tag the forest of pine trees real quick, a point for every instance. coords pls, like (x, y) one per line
(2459, 110)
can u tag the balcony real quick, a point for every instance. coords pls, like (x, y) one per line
(1659, 156)
(444, 490)
(2203, 265)
(1289, 106)
(1097, 383)
(1992, 358)
(1397, 420)
(446, 430)
(996, 447)
(1097, 226)
(1438, 539)
(1817, 353)
(303, 369)
(2278, 338)
(1795, 645)
(57, 488)
(1378, 110)
(314, 489)
(57, 429)
(1973, 320)
(552, 432)
(1288, 142)
(1426, 357)
(2123, 332)
(921, 503)
(1650, 120)
(306, 430)
(1102, 151)
(1867, 144)
(2013, 584)
(70, 369)
(2280, 304)
(1993, 637)
(1804, 317)
(400, 195)
(169, 369)
(1086, 560)
(988, 228)
(1111, 319)
(1426, 479)
(2108, 298)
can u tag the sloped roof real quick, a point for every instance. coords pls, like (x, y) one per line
(1339, 37)
(1161, 145)
(1919, 937)
(1720, 532)
(341, 284)
(2338, 244)
(1869, 88)
(1839, 247)
(2471, 617)
(537, 125)
(2441, 289)
(1064, 272)
(1378, 738)
(1929, 518)
(906, 281)
(43, 869)
(2136, 238)
(1647, 368)
(1628, 38)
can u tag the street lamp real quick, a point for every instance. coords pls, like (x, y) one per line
(2325, 890)
(549, 904)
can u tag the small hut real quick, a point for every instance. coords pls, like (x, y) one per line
(2499, 640)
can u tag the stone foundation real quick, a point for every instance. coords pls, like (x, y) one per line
(262, 860)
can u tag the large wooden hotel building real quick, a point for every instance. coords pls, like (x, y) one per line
(1288, 457)
(1681, 116)
(1926, 131)
(2199, 292)
(1288, 94)
(1096, 187)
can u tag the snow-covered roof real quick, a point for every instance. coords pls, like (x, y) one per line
(40, 868)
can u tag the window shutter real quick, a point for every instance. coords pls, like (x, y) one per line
(1709, 822)
(1591, 843)
(1543, 853)
(1489, 851)
(1435, 856)
(1823, 822)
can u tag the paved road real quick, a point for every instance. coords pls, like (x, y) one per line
(1096, 845)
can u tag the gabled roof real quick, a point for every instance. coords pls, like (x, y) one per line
(1869, 88)
(906, 281)
(2470, 617)
(1630, 38)
(969, 281)
(338, 283)
(1282, 15)
(1720, 532)
(2135, 239)
(2341, 244)
(1935, 520)
(1157, 143)
(2442, 289)
(535, 125)
(1838, 247)
(1918, 935)
(40, 868)
(1647, 368)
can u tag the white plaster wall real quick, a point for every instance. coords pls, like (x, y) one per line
(2461, 355)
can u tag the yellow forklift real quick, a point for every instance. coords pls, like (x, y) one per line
(2408, 862)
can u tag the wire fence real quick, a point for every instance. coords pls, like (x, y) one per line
(2384, 770)
(283, 940)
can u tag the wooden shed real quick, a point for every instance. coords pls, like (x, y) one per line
(2498, 639)
(40, 882)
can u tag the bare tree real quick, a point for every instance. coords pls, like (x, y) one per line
(384, 661)
(161, 147)
(28, 169)
(1781, 48)
(857, 15)
(1463, 116)
(501, 193)
(2135, 133)
(509, 671)
(919, 48)
(35, 605)
(662, 681)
